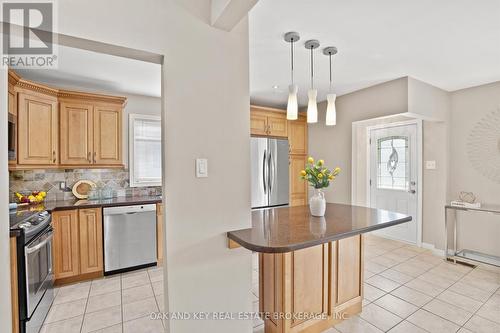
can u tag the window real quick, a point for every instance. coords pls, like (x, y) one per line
(144, 150)
(392, 169)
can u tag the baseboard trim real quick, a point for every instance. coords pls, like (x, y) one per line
(433, 249)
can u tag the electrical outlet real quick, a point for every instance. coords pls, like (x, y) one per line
(430, 165)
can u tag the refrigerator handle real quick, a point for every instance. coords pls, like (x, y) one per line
(264, 172)
(272, 171)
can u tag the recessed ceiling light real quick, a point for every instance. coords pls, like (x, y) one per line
(275, 87)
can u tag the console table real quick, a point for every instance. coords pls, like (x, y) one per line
(465, 253)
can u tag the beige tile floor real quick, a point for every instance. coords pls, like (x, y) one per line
(120, 303)
(406, 290)
(409, 290)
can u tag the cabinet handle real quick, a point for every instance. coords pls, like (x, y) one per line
(95, 156)
(89, 157)
(54, 156)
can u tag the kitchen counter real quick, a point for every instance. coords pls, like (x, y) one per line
(50, 206)
(311, 265)
(120, 201)
(286, 229)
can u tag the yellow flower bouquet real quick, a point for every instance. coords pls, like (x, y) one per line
(317, 174)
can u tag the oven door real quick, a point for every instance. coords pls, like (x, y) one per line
(39, 276)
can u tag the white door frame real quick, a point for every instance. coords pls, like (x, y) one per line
(420, 181)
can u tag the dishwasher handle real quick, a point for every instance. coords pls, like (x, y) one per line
(120, 210)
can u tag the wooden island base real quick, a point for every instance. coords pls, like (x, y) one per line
(325, 281)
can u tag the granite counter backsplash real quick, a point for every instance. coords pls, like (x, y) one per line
(49, 180)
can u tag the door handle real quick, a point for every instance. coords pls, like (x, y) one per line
(54, 156)
(95, 156)
(412, 191)
(264, 172)
(89, 157)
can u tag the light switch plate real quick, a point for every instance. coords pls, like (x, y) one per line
(430, 165)
(201, 168)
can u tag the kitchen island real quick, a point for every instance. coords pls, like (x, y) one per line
(311, 268)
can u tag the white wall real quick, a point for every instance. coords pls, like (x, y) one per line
(207, 115)
(427, 102)
(477, 231)
(333, 144)
(435, 182)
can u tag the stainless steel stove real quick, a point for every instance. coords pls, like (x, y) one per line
(35, 272)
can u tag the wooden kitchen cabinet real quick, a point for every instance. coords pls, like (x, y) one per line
(325, 280)
(298, 187)
(347, 254)
(37, 129)
(297, 136)
(107, 135)
(78, 252)
(75, 127)
(65, 244)
(61, 128)
(268, 122)
(91, 251)
(258, 123)
(159, 233)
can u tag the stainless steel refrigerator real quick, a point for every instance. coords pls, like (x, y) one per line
(270, 182)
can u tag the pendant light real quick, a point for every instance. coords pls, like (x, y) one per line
(331, 112)
(292, 109)
(312, 105)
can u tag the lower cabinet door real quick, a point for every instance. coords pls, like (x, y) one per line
(65, 244)
(348, 262)
(91, 254)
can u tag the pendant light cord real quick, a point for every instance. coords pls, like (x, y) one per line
(330, 72)
(291, 51)
(312, 69)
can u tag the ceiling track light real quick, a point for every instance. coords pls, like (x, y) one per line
(331, 112)
(312, 105)
(292, 109)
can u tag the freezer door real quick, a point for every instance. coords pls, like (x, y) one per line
(258, 151)
(278, 172)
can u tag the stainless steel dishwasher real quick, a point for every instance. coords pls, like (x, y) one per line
(129, 238)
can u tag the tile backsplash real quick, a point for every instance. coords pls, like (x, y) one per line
(49, 181)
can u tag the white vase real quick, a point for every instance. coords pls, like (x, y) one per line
(317, 203)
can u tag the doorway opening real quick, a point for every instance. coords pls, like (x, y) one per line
(98, 70)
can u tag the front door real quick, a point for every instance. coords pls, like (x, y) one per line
(393, 177)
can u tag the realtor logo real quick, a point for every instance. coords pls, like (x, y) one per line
(28, 40)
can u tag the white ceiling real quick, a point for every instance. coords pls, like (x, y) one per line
(452, 44)
(87, 70)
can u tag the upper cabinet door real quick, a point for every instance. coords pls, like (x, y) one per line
(38, 129)
(107, 135)
(76, 133)
(297, 136)
(258, 124)
(12, 100)
(277, 125)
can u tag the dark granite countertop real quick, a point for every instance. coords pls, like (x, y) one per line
(51, 206)
(73, 204)
(120, 201)
(286, 229)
